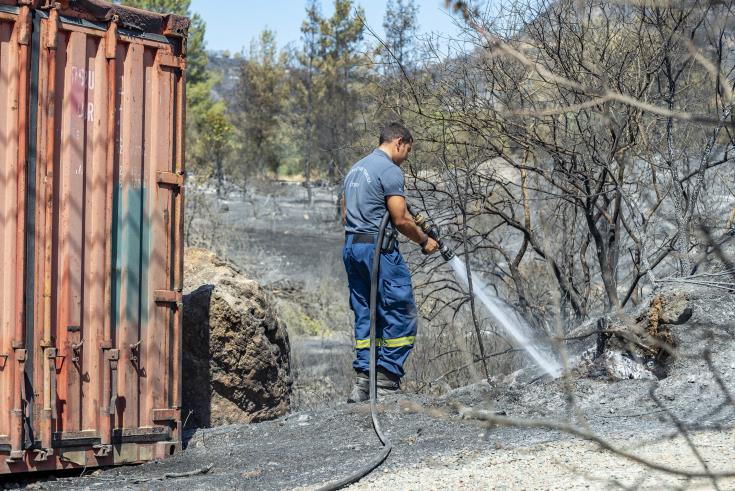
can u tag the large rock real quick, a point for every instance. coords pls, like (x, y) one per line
(236, 350)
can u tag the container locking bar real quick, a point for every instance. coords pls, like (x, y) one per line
(20, 413)
(51, 355)
(113, 357)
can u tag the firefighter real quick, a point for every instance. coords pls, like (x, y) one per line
(372, 186)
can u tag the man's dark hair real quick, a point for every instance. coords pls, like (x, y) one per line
(391, 131)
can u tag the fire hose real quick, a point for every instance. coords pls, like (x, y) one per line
(432, 231)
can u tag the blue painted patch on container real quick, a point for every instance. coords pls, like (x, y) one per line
(131, 246)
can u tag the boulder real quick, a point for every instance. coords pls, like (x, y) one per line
(236, 366)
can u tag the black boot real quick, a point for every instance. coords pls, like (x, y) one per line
(360, 389)
(388, 383)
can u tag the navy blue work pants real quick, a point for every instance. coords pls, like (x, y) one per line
(397, 319)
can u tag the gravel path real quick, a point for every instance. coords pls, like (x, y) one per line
(565, 465)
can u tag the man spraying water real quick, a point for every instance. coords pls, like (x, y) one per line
(374, 209)
(372, 186)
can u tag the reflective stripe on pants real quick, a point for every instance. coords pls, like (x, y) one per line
(390, 343)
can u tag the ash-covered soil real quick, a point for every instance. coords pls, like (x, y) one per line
(294, 250)
(281, 237)
(431, 438)
(444, 442)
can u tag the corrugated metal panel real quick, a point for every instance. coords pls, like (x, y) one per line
(8, 213)
(13, 146)
(104, 313)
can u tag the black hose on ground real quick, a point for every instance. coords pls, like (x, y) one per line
(387, 445)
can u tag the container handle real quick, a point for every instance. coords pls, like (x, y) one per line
(51, 360)
(114, 356)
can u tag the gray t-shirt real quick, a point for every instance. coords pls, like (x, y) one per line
(366, 187)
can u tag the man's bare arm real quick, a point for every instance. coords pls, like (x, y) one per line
(403, 221)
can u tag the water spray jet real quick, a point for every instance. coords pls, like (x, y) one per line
(503, 315)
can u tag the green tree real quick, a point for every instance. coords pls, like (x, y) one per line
(397, 54)
(340, 38)
(216, 141)
(200, 105)
(259, 104)
(307, 94)
(401, 26)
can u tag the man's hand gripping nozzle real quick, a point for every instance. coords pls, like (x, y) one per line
(426, 224)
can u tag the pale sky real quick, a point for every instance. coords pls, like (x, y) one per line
(232, 24)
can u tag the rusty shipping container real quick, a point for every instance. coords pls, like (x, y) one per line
(91, 200)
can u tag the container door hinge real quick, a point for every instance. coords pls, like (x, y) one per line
(173, 297)
(19, 352)
(173, 179)
(20, 357)
(164, 414)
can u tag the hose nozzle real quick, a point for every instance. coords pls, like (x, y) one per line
(445, 251)
(430, 229)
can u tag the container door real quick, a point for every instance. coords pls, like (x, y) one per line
(71, 236)
(109, 134)
(91, 192)
(144, 296)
